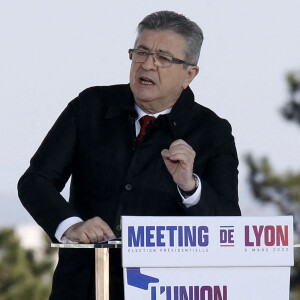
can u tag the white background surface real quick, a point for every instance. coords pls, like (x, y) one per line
(52, 50)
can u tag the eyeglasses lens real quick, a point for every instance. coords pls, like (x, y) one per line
(159, 59)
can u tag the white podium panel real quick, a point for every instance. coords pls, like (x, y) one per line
(207, 258)
(207, 241)
(230, 283)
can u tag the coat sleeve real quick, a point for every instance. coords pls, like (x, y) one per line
(51, 166)
(219, 179)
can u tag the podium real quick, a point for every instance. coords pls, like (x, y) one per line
(207, 258)
(200, 258)
(101, 263)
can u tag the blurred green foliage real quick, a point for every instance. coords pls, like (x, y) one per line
(22, 275)
(291, 109)
(283, 190)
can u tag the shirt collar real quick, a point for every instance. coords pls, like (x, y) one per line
(141, 113)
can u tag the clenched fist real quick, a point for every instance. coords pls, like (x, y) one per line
(179, 160)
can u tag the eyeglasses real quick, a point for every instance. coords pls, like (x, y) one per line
(160, 59)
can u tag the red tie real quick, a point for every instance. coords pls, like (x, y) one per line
(145, 121)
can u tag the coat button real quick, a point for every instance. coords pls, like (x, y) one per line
(128, 187)
(118, 227)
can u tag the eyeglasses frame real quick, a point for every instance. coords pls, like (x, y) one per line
(174, 60)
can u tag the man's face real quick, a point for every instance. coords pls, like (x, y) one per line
(156, 88)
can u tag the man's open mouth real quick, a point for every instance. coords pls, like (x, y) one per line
(147, 81)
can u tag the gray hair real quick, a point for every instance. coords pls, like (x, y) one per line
(170, 20)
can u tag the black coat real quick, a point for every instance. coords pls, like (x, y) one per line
(94, 141)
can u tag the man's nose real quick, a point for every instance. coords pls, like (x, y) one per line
(149, 63)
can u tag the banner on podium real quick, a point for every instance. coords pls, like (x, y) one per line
(207, 241)
(201, 258)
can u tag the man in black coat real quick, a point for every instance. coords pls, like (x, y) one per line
(184, 163)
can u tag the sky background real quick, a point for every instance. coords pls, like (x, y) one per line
(51, 51)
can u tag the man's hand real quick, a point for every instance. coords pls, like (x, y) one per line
(179, 160)
(91, 231)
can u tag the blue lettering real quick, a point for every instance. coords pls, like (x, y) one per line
(184, 295)
(175, 292)
(136, 240)
(171, 230)
(189, 237)
(169, 293)
(190, 292)
(202, 238)
(180, 237)
(160, 236)
(149, 236)
(153, 293)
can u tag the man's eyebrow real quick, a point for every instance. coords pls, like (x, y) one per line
(159, 51)
(143, 47)
(165, 52)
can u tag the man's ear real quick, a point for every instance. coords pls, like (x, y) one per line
(191, 73)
